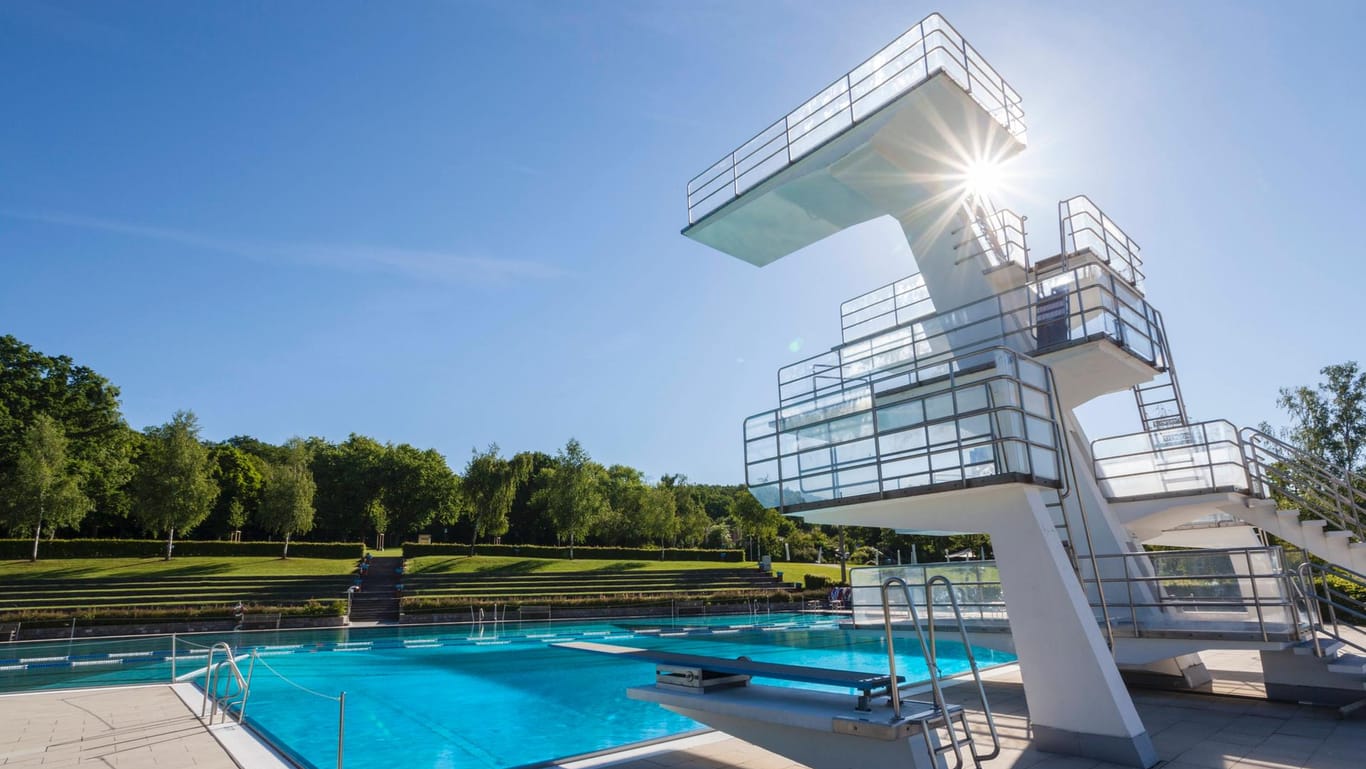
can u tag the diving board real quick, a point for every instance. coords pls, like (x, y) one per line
(816, 728)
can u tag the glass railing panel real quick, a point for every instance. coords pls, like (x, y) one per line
(1191, 459)
(940, 431)
(767, 494)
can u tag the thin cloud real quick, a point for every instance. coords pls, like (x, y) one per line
(421, 264)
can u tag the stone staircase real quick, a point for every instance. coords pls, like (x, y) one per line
(377, 600)
(1332, 545)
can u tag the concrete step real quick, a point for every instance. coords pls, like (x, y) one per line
(1348, 663)
(1328, 647)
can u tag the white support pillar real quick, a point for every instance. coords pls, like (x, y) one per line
(1077, 700)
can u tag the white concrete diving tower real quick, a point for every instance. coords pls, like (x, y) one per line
(948, 404)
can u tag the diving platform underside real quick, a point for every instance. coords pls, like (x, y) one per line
(923, 512)
(915, 149)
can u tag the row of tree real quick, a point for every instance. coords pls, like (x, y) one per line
(69, 463)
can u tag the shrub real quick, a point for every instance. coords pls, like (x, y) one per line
(411, 550)
(21, 549)
(419, 605)
(817, 582)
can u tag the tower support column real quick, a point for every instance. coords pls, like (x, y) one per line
(1077, 701)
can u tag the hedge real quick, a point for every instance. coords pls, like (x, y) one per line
(442, 604)
(22, 549)
(412, 550)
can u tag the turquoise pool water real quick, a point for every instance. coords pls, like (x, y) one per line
(455, 697)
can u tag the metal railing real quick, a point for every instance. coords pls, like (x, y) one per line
(977, 587)
(1315, 486)
(1191, 459)
(1238, 593)
(983, 418)
(1234, 592)
(926, 49)
(944, 716)
(220, 692)
(1080, 305)
(1215, 456)
(1082, 226)
(1324, 585)
(999, 234)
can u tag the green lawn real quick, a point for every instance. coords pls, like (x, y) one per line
(224, 566)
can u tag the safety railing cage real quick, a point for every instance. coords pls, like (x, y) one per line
(1199, 458)
(926, 49)
(1084, 304)
(1083, 227)
(987, 417)
(1237, 593)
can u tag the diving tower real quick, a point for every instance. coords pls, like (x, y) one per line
(949, 404)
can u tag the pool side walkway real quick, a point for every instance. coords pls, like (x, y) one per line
(1190, 731)
(135, 727)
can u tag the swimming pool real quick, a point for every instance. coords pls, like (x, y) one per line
(445, 696)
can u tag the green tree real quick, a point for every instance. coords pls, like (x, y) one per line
(85, 406)
(286, 507)
(1330, 419)
(239, 477)
(377, 517)
(490, 487)
(693, 521)
(173, 488)
(658, 519)
(528, 521)
(350, 477)
(573, 493)
(624, 487)
(43, 486)
(759, 523)
(418, 487)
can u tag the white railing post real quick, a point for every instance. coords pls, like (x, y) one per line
(341, 727)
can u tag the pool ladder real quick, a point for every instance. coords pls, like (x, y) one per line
(943, 716)
(227, 676)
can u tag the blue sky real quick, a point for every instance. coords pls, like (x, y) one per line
(451, 224)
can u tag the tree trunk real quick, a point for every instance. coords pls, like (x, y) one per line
(170, 542)
(571, 546)
(285, 554)
(38, 528)
(474, 537)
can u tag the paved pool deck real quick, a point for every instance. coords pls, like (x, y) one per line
(127, 727)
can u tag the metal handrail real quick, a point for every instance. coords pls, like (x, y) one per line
(1330, 599)
(1317, 486)
(1122, 256)
(212, 673)
(972, 660)
(870, 85)
(1174, 450)
(1258, 603)
(871, 464)
(931, 664)
(1105, 306)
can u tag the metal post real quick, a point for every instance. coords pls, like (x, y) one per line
(341, 727)
(173, 658)
(1256, 600)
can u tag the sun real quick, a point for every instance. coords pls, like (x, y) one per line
(982, 178)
